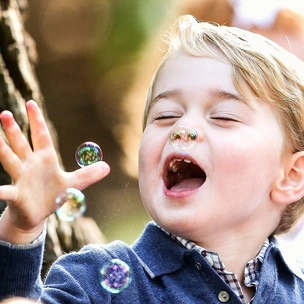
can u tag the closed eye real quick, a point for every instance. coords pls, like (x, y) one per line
(166, 116)
(225, 118)
(161, 117)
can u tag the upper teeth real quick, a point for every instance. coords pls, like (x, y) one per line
(173, 164)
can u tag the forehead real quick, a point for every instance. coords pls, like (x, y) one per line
(183, 69)
(192, 76)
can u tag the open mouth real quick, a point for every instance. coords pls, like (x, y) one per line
(183, 174)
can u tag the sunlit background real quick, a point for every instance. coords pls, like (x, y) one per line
(96, 58)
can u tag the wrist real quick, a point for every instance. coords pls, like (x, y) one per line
(11, 233)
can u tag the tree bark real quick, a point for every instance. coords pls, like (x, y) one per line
(18, 84)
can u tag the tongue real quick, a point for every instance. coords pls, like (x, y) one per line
(188, 184)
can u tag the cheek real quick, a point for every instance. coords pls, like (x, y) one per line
(144, 153)
(143, 175)
(151, 148)
(253, 163)
(152, 151)
(142, 161)
(147, 171)
(148, 157)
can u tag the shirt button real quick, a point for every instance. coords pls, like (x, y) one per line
(198, 265)
(209, 260)
(223, 296)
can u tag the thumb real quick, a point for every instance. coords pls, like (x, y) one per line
(88, 175)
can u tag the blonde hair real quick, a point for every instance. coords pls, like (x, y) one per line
(271, 73)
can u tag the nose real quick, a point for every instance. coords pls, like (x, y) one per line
(183, 138)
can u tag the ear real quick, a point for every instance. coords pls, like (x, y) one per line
(289, 188)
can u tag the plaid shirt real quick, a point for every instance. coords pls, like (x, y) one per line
(251, 271)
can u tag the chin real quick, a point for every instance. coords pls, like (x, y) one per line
(177, 226)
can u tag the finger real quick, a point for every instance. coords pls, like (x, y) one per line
(40, 134)
(86, 176)
(14, 135)
(9, 160)
(8, 193)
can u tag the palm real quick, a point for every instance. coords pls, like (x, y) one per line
(48, 182)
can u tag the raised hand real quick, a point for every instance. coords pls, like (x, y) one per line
(37, 178)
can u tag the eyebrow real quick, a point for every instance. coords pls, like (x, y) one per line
(224, 95)
(219, 94)
(166, 95)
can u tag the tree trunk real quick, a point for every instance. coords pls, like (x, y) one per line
(18, 84)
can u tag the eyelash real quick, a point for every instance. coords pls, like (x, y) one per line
(225, 118)
(221, 118)
(162, 117)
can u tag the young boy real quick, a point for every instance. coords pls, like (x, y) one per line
(221, 171)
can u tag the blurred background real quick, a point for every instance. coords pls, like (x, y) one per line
(96, 58)
(88, 51)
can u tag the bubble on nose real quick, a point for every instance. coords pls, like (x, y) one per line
(88, 153)
(183, 139)
(115, 276)
(73, 205)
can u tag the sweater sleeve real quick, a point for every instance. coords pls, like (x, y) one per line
(20, 267)
(74, 278)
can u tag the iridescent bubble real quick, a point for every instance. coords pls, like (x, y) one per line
(115, 276)
(183, 139)
(72, 202)
(88, 153)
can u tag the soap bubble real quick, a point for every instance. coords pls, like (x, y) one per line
(72, 202)
(183, 139)
(87, 154)
(115, 276)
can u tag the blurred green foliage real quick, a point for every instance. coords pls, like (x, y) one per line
(131, 24)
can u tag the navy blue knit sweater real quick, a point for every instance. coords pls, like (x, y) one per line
(163, 271)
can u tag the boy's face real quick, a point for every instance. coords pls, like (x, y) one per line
(235, 162)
